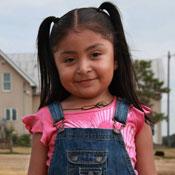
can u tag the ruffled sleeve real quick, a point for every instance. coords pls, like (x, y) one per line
(40, 122)
(137, 117)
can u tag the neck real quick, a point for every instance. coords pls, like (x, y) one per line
(78, 102)
(92, 106)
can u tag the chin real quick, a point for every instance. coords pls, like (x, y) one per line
(89, 95)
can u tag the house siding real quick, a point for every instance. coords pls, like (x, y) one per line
(19, 98)
(157, 127)
(36, 101)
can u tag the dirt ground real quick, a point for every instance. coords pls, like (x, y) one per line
(165, 166)
(13, 164)
(17, 164)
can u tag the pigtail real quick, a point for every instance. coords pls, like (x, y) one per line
(45, 58)
(113, 12)
(125, 72)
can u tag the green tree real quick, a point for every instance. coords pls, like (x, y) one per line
(6, 135)
(149, 89)
(9, 134)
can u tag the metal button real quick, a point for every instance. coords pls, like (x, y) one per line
(116, 130)
(74, 158)
(99, 158)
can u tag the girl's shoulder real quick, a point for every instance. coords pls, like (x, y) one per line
(136, 117)
(40, 122)
(135, 114)
(35, 120)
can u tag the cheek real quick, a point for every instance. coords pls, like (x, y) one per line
(66, 76)
(65, 81)
(63, 76)
(62, 71)
(107, 67)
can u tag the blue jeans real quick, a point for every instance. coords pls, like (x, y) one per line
(89, 151)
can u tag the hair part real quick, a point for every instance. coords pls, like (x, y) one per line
(79, 19)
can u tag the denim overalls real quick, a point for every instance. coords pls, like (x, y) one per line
(88, 151)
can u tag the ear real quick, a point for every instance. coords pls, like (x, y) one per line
(115, 65)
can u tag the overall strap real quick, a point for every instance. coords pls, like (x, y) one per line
(121, 111)
(56, 112)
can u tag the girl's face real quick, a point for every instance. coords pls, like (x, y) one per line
(85, 63)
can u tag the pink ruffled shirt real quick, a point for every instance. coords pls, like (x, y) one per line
(41, 122)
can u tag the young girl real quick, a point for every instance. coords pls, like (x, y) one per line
(90, 121)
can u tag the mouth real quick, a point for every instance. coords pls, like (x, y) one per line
(86, 82)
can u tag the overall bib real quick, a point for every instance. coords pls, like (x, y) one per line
(90, 151)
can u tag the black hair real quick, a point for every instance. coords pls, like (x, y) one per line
(105, 20)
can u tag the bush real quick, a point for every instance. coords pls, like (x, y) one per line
(15, 139)
(24, 140)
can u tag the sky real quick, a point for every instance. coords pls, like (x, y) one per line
(148, 24)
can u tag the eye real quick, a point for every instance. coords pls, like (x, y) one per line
(69, 60)
(95, 54)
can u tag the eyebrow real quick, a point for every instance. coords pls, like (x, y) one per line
(87, 49)
(94, 46)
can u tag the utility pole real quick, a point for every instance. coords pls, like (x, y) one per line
(168, 99)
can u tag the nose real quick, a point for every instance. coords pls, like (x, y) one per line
(84, 66)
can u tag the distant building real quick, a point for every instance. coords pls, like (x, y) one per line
(18, 91)
(157, 67)
(163, 71)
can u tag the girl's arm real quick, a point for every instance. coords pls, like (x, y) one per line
(38, 157)
(144, 148)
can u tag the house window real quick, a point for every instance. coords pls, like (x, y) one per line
(7, 114)
(7, 82)
(14, 116)
(10, 114)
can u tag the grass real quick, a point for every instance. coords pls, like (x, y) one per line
(16, 150)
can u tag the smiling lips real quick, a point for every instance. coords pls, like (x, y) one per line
(85, 82)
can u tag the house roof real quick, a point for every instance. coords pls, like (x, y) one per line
(22, 72)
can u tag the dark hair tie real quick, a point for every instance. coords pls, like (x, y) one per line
(56, 19)
(101, 10)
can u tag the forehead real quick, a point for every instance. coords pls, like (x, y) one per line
(92, 28)
(82, 34)
(78, 36)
